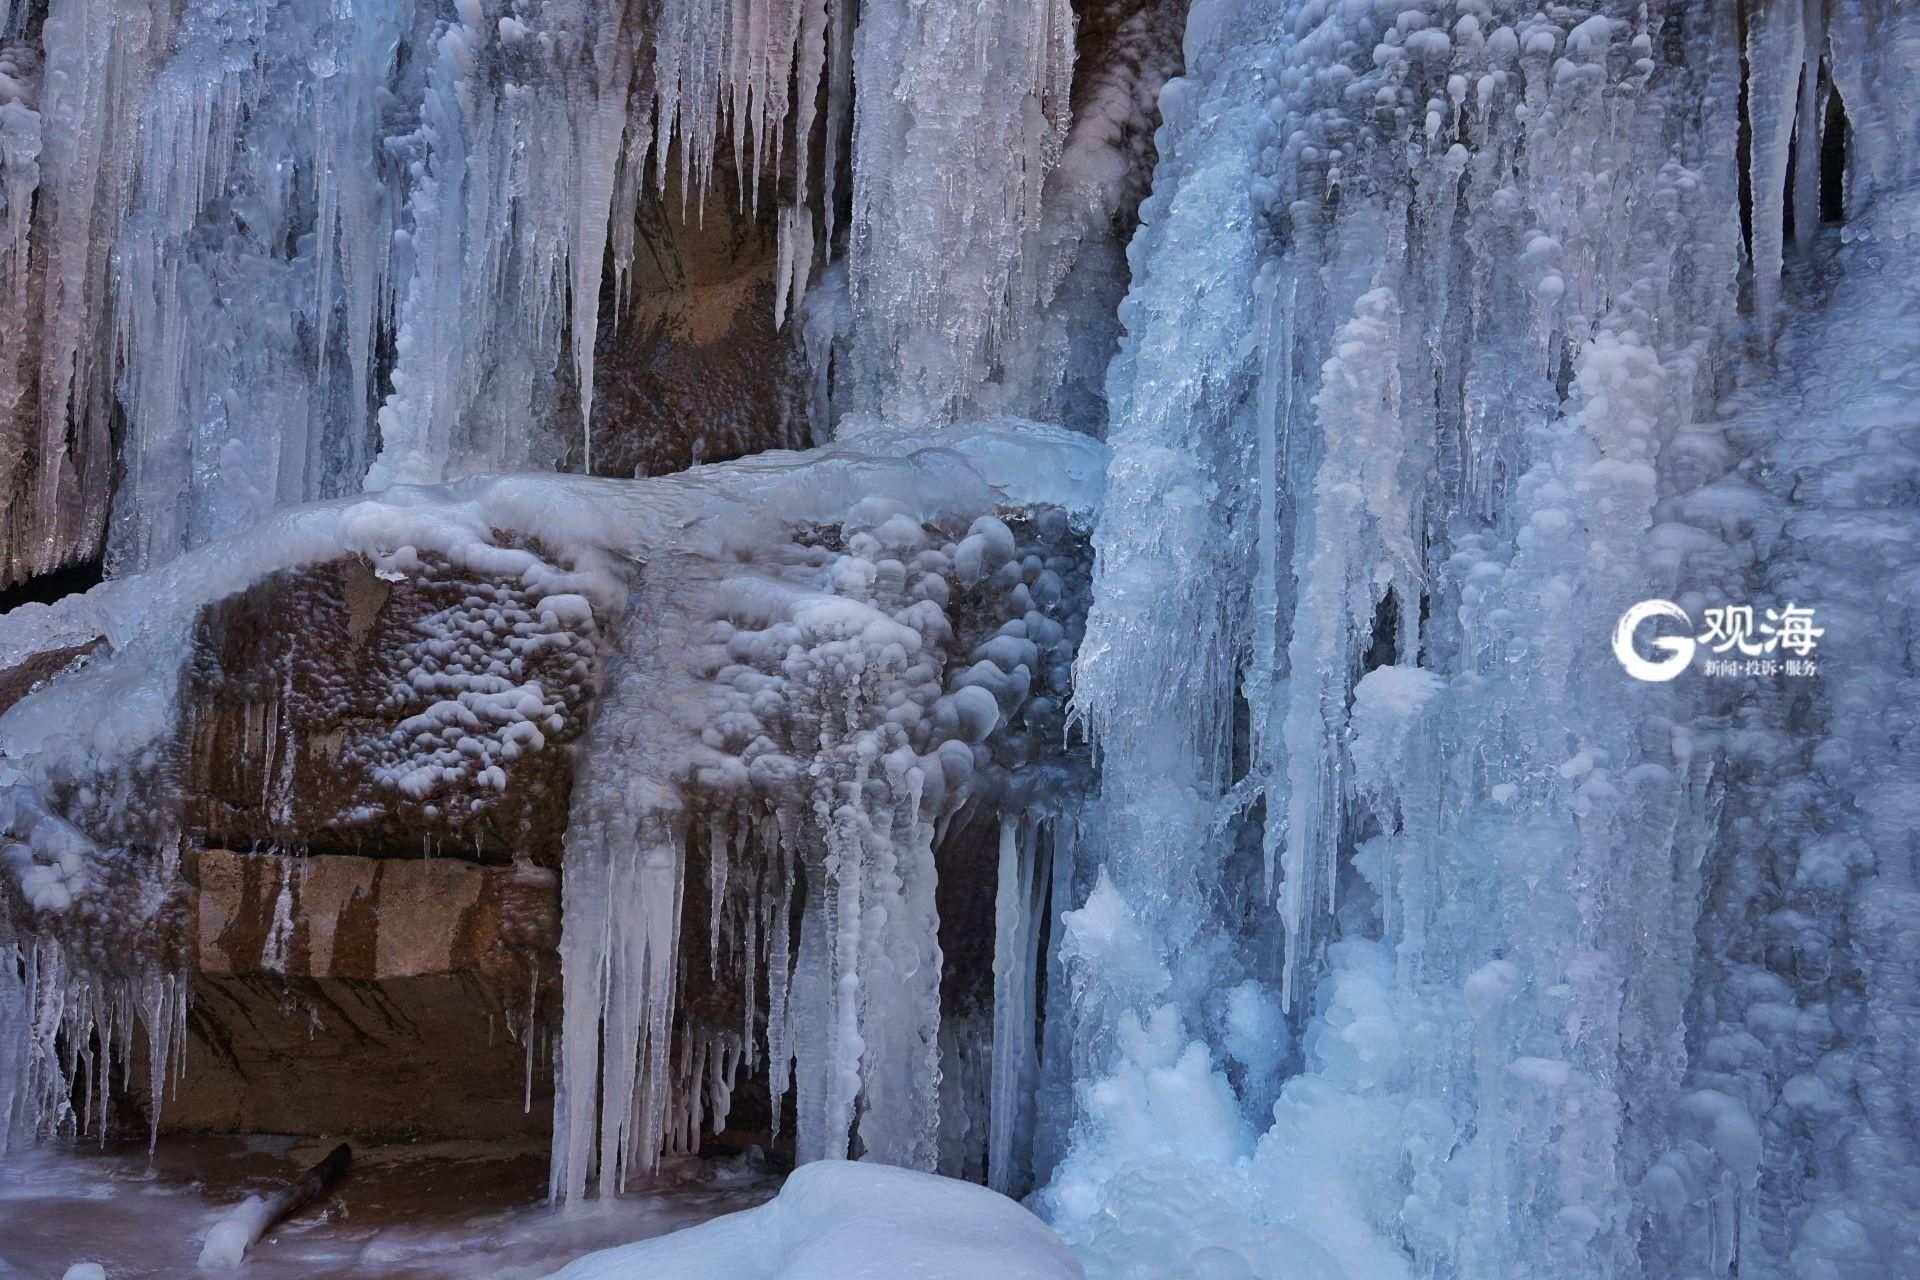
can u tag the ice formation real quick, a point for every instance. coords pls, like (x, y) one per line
(1354, 913)
(944, 685)
(1400, 426)
(310, 250)
(809, 725)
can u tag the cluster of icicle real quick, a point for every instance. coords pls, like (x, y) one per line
(311, 249)
(66, 1029)
(808, 727)
(1401, 426)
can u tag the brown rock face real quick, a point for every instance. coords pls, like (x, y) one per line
(690, 366)
(372, 997)
(371, 919)
(333, 711)
(376, 740)
(35, 669)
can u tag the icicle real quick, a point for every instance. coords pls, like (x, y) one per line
(830, 1070)
(795, 261)
(624, 874)
(779, 963)
(900, 1019)
(66, 1030)
(753, 852)
(16, 1042)
(233, 120)
(841, 20)
(1053, 1101)
(1808, 125)
(533, 1023)
(1018, 903)
(1273, 420)
(99, 61)
(1353, 541)
(931, 262)
(1776, 64)
(740, 54)
(604, 108)
(717, 838)
(19, 182)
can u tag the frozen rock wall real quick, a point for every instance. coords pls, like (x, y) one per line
(255, 254)
(836, 669)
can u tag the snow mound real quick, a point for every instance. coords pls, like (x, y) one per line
(839, 1220)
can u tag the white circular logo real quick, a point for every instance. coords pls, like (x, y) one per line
(1679, 649)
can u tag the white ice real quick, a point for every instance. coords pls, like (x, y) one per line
(841, 1220)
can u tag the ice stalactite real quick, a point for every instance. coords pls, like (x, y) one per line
(721, 61)
(808, 727)
(479, 318)
(1798, 58)
(67, 1029)
(247, 345)
(95, 63)
(626, 860)
(499, 274)
(1023, 892)
(19, 182)
(938, 270)
(1776, 61)
(599, 110)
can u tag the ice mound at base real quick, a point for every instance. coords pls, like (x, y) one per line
(842, 1220)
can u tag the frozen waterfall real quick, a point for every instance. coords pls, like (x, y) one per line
(1400, 427)
(1166, 751)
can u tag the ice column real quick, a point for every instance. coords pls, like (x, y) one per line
(938, 268)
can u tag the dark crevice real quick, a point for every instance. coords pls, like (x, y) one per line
(1385, 646)
(1787, 228)
(48, 587)
(1833, 162)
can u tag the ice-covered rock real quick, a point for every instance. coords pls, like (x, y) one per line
(402, 674)
(790, 754)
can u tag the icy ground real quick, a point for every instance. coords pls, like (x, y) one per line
(430, 1211)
